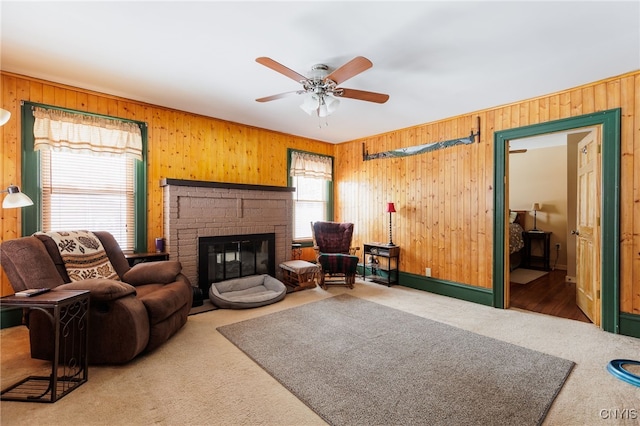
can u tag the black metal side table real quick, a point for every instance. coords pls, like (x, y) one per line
(384, 263)
(68, 311)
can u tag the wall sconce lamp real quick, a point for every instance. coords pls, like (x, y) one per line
(391, 208)
(4, 116)
(535, 208)
(15, 198)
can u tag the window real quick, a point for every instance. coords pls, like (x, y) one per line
(85, 172)
(80, 197)
(312, 176)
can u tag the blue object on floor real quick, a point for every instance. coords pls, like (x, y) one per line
(615, 367)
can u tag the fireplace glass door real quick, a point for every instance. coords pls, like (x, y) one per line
(226, 257)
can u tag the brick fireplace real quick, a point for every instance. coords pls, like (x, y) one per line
(197, 209)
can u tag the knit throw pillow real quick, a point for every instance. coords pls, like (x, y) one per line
(83, 255)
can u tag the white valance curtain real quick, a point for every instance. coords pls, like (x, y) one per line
(63, 131)
(311, 166)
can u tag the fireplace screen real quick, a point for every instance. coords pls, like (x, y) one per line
(234, 256)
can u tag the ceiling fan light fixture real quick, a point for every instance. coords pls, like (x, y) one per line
(320, 87)
(310, 104)
(332, 104)
(322, 110)
(328, 105)
(321, 104)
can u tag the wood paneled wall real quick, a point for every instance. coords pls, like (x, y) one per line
(181, 145)
(445, 198)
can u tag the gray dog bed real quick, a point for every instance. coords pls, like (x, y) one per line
(247, 292)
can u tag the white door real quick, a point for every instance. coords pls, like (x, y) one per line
(588, 227)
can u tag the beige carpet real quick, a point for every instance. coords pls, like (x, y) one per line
(200, 378)
(525, 276)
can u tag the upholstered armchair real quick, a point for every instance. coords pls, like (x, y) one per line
(132, 310)
(334, 253)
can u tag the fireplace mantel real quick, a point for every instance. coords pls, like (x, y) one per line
(224, 185)
(195, 209)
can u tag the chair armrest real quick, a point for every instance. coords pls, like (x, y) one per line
(101, 289)
(353, 250)
(163, 272)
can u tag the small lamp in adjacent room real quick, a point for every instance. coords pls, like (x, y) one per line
(535, 208)
(15, 198)
(391, 208)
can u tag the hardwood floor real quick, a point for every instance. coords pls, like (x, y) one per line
(550, 295)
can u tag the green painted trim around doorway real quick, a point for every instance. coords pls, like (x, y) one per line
(610, 205)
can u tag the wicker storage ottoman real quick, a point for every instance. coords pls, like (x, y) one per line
(299, 274)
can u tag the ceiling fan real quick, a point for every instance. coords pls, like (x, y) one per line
(321, 86)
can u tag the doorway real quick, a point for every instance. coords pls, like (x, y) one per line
(609, 204)
(542, 188)
(551, 295)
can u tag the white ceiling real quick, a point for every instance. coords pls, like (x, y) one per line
(434, 59)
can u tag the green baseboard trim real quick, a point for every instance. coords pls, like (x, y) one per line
(10, 317)
(456, 290)
(630, 324)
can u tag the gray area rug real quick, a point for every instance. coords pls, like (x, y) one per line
(356, 362)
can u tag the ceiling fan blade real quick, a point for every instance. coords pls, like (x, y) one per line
(350, 69)
(278, 96)
(276, 66)
(517, 151)
(362, 95)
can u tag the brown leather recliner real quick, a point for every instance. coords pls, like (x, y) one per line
(128, 317)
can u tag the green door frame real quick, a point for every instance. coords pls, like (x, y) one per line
(610, 205)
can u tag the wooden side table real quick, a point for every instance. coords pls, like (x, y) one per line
(135, 258)
(68, 311)
(537, 261)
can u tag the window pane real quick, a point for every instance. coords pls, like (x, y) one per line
(78, 211)
(88, 192)
(310, 189)
(305, 213)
